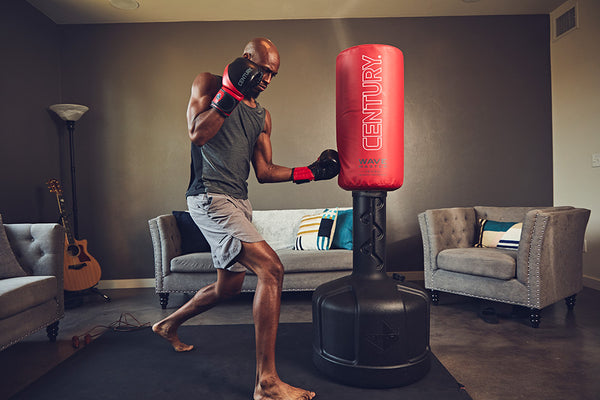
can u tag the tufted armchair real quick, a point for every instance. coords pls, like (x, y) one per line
(33, 297)
(546, 267)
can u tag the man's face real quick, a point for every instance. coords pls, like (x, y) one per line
(269, 62)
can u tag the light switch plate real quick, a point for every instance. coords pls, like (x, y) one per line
(595, 160)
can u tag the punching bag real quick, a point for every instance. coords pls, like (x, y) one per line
(370, 117)
(368, 329)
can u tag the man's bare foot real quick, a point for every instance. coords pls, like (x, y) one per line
(163, 329)
(275, 389)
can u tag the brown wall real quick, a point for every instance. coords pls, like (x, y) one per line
(29, 140)
(477, 127)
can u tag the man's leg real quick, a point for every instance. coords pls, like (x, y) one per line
(228, 285)
(260, 258)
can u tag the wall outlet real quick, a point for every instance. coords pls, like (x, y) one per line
(595, 160)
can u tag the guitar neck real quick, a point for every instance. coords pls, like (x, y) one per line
(64, 218)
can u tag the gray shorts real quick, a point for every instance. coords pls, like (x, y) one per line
(225, 222)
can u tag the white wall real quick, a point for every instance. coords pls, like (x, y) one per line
(575, 62)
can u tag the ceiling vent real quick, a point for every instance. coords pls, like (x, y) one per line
(564, 20)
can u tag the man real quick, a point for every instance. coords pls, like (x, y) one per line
(229, 131)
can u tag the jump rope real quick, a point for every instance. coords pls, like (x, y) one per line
(123, 324)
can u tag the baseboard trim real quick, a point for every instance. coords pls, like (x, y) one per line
(149, 282)
(413, 275)
(591, 282)
(125, 283)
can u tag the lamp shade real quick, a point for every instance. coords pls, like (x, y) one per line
(69, 112)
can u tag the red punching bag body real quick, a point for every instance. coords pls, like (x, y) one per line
(370, 117)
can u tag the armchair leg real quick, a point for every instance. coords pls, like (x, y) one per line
(534, 317)
(570, 302)
(164, 300)
(52, 331)
(435, 297)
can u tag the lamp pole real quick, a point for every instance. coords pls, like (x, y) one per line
(71, 129)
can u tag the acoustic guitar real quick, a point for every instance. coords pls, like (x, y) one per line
(81, 270)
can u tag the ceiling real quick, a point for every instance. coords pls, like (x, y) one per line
(101, 11)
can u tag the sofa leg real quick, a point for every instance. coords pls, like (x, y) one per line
(435, 297)
(52, 331)
(570, 302)
(534, 317)
(164, 300)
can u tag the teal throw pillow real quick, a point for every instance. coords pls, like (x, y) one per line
(342, 238)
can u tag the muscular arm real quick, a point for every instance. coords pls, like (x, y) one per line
(203, 121)
(262, 160)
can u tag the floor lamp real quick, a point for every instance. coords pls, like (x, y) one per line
(71, 113)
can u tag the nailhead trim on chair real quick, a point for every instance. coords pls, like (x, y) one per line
(428, 275)
(534, 260)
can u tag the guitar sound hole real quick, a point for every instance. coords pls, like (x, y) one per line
(73, 250)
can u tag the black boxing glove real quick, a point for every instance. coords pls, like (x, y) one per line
(327, 166)
(239, 78)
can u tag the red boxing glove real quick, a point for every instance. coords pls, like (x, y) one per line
(327, 166)
(239, 78)
(302, 175)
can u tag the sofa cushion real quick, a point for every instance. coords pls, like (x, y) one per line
(194, 262)
(492, 263)
(292, 260)
(9, 266)
(21, 293)
(315, 260)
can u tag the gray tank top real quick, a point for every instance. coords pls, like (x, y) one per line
(222, 165)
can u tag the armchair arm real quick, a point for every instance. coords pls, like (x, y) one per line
(443, 229)
(552, 254)
(166, 241)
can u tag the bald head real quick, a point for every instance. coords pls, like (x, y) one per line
(261, 47)
(263, 52)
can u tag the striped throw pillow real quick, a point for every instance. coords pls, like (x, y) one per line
(503, 235)
(316, 231)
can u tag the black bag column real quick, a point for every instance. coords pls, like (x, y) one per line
(369, 330)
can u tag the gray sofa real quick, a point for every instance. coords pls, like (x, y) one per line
(32, 298)
(187, 273)
(546, 267)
